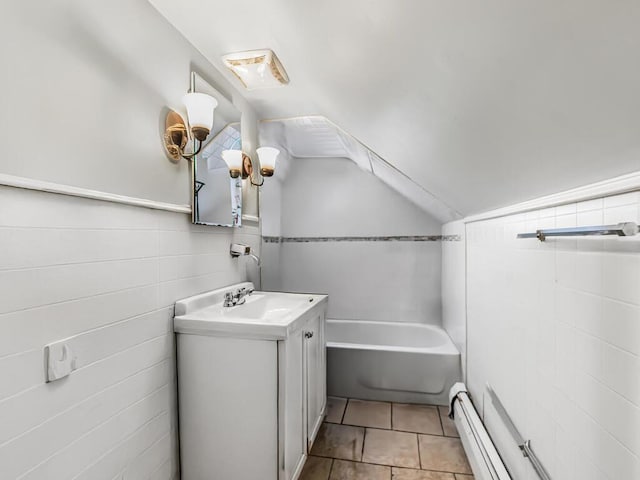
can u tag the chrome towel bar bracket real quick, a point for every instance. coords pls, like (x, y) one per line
(625, 229)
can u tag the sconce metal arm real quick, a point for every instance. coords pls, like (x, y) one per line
(190, 156)
(256, 184)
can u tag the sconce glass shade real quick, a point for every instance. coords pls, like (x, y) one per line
(200, 107)
(267, 157)
(233, 159)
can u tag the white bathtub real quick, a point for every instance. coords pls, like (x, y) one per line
(390, 361)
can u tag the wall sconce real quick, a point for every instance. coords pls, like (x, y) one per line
(240, 163)
(267, 157)
(200, 108)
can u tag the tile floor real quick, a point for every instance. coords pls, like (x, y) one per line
(362, 440)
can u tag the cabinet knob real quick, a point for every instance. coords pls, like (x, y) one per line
(308, 334)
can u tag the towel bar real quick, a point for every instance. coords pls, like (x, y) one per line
(625, 229)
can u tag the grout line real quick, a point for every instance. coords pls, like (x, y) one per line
(419, 454)
(331, 468)
(441, 422)
(121, 442)
(81, 262)
(393, 466)
(391, 416)
(344, 411)
(76, 299)
(83, 400)
(153, 474)
(364, 437)
(82, 229)
(149, 447)
(99, 360)
(114, 323)
(101, 424)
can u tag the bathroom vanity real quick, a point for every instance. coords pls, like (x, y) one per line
(251, 382)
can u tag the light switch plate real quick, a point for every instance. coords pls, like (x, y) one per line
(60, 360)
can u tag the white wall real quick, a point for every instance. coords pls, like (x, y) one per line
(270, 223)
(392, 281)
(454, 313)
(88, 83)
(554, 327)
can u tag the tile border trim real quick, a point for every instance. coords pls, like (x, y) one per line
(385, 238)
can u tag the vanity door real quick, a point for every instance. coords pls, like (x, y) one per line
(315, 376)
(291, 405)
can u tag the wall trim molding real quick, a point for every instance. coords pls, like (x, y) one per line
(614, 186)
(49, 187)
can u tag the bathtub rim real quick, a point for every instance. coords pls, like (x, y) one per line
(448, 348)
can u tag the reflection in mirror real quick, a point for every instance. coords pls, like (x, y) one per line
(217, 198)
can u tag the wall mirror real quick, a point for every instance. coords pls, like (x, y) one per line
(216, 198)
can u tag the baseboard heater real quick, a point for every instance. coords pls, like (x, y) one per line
(481, 452)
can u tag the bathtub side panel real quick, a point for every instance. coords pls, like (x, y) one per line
(391, 375)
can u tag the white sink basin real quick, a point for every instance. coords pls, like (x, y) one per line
(267, 306)
(272, 315)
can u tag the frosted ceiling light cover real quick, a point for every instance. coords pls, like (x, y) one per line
(257, 69)
(200, 107)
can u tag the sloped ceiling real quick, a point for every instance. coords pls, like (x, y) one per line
(482, 103)
(314, 137)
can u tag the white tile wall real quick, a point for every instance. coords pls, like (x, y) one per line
(108, 275)
(386, 281)
(383, 281)
(454, 314)
(554, 327)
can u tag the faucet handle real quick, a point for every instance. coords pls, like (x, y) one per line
(228, 299)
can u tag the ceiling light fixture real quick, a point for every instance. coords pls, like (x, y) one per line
(240, 163)
(257, 69)
(200, 108)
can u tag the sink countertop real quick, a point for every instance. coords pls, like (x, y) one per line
(264, 315)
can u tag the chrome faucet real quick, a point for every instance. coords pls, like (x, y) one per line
(237, 298)
(228, 300)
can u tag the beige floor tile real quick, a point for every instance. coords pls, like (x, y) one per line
(411, 474)
(343, 470)
(335, 409)
(448, 426)
(416, 418)
(463, 477)
(339, 441)
(386, 447)
(443, 454)
(368, 414)
(316, 468)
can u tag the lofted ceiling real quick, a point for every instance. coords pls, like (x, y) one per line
(481, 103)
(314, 137)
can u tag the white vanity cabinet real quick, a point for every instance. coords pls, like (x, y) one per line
(315, 356)
(303, 392)
(250, 401)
